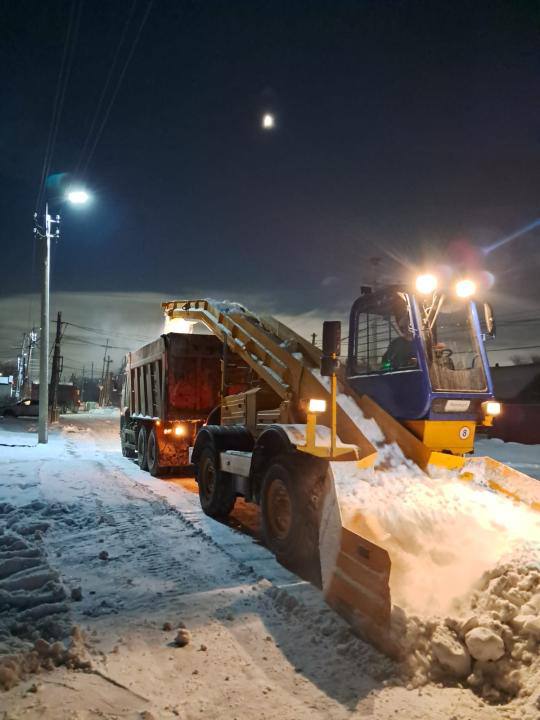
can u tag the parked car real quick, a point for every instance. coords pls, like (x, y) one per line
(23, 408)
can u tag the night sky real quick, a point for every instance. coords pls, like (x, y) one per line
(402, 127)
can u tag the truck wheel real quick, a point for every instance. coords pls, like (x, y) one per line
(290, 509)
(126, 451)
(216, 491)
(152, 454)
(142, 443)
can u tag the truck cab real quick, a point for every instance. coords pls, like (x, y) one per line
(421, 357)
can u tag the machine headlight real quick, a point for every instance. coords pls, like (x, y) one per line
(317, 406)
(465, 288)
(426, 283)
(492, 407)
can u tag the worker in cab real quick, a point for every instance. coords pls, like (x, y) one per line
(401, 352)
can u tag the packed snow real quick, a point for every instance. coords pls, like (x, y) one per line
(146, 608)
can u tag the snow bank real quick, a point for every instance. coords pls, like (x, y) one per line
(441, 533)
(465, 578)
(33, 612)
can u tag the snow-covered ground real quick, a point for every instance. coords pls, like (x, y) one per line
(129, 560)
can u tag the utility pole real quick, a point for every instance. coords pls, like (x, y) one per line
(82, 383)
(29, 343)
(107, 385)
(92, 371)
(21, 369)
(313, 338)
(45, 235)
(104, 361)
(55, 371)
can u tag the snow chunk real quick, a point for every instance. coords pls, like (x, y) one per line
(451, 653)
(484, 644)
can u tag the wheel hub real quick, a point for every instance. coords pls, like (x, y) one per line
(209, 475)
(279, 509)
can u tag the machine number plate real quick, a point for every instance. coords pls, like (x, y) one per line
(464, 432)
(457, 405)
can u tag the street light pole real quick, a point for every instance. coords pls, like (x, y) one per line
(43, 434)
(43, 430)
(75, 197)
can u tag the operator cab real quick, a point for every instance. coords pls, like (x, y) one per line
(421, 356)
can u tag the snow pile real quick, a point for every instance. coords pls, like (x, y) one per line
(442, 534)
(465, 577)
(489, 643)
(33, 611)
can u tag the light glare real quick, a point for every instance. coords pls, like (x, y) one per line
(178, 325)
(316, 406)
(426, 283)
(465, 288)
(78, 197)
(493, 408)
(179, 430)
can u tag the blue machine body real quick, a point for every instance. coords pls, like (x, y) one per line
(408, 393)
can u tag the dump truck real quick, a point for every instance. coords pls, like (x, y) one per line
(289, 417)
(170, 387)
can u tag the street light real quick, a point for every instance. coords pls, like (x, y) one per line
(45, 233)
(78, 197)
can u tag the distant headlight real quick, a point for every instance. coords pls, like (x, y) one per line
(179, 430)
(426, 284)
(492, 407)
(465, 288)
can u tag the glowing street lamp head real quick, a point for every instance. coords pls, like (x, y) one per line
(426, 283)
(268, 121)
(465, 288)
(78, 197)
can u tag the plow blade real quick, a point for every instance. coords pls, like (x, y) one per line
(355, 570)
(358, 555)
(502, 479)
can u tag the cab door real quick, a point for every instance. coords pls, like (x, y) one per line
(384, 360)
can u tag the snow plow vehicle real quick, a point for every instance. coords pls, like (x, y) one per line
(298, 433)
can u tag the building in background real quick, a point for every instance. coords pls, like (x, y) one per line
(518, 388)
(6, 389)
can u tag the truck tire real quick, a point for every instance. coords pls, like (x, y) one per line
(153, 454)
(126, 451)
(291, 496)
(216, 491)
(142, 444)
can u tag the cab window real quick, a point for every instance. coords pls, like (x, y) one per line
(384, 337)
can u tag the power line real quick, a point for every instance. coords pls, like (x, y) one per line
(118, 85)
(107, 334)
(106, 85)
(71, 339)
(61, 86)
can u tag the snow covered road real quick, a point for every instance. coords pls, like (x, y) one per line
(136, 555)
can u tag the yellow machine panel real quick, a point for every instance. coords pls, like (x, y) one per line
(455, 436)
